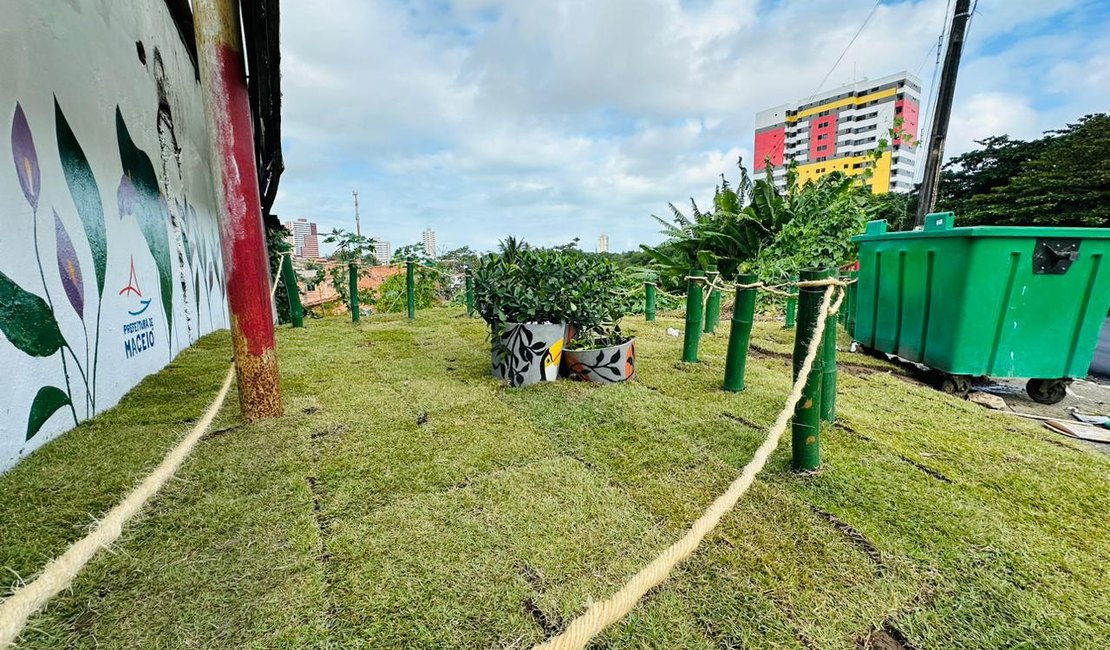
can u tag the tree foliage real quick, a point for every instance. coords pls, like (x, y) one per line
(1061, 179)
(753, 227)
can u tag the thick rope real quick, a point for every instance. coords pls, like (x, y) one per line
(601, 615)
(277, 274)
(61, 571)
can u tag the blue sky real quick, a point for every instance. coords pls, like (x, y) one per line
(571, 118)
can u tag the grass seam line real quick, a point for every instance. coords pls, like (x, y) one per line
(601, 615)
(60, 572)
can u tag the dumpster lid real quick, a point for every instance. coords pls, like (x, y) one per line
(940, 224)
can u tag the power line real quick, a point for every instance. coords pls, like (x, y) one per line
(847, 47)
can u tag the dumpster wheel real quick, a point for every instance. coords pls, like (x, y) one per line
(1047, 391)
(958, 385)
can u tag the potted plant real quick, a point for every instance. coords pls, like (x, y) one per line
(600, 352)
(518, 293)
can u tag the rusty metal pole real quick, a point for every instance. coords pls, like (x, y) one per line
(242, 235)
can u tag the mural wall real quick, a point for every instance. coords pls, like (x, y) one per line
(109, 253)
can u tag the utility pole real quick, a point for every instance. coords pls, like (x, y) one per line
(358, 226)
(938, 133)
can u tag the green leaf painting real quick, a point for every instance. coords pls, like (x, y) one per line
(85, 193)
(27, 321)
(150, 211)
(47, 402)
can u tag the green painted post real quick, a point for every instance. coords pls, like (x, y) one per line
(289, 277)
(851, 298)
(743, 315)
(694, 293)
(649, 300)
(469, 291)
(828, 366)
(410, 288)
(842, 315)
(713, 305)
(806, 429)
(791, 305)
(352, 271)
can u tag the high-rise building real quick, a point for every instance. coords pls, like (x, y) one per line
(838, 130)
(603, 244)
(306, 242)
(383, 252)
(430, 242)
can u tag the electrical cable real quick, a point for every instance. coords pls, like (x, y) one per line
(846, 48)
(930, 105)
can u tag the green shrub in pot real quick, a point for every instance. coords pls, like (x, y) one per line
(594, 305)
(519, 293)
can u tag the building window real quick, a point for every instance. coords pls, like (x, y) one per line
(823, 147)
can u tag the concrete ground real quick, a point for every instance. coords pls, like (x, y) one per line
(1090, 396)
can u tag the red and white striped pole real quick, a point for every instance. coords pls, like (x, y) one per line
(231, 150)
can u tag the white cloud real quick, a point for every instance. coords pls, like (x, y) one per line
(565, 118)
(985, 114)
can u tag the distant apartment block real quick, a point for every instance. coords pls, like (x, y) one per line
(603, 244)
(383, 252)
(430, 242)
(305, 240)
(837, 130)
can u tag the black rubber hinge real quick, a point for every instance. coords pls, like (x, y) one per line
(1054, 256)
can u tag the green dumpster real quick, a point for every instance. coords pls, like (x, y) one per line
(985, 300)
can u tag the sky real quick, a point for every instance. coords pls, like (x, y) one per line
(555, 119)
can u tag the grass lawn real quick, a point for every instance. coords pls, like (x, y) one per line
(409, 500)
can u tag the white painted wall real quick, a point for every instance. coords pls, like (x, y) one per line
(84, 55)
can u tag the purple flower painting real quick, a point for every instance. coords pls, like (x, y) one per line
(127, 196)
(69, 268)
(26, 160)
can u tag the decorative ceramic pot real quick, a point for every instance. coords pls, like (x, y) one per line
(528, 353)
(603, 365)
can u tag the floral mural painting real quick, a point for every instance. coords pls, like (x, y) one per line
(30, 317)
(29, 321)
(112, 263)
(86, 198)
(139, 195)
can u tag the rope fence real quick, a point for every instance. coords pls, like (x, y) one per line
(61, 571)
(611, 610)
(57, 575)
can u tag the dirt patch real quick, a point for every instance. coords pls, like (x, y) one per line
(921, 466)
(219, 432)
(323, 528)
(857, 538)
(550, 626)
(743, 420)
(756, 352)
(885, 638)
(928, 470)
(329, 431)
(532, 577)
